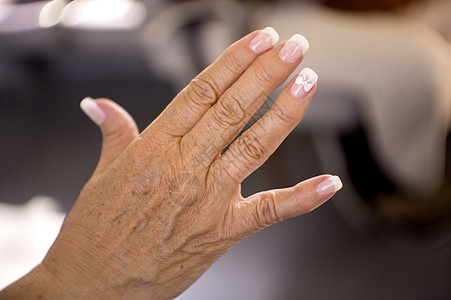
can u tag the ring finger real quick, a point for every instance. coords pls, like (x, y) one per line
(256, 144)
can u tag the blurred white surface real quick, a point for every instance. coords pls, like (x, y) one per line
(26, 233)
(104, 14)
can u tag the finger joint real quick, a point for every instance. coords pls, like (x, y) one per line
(264, 75)
(250, 147)
(202, 92)
(283, 117)
(266, 210)
(234, 63)
(228, 111)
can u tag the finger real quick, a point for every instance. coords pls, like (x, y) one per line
(227, 117)
(266, 208)
(192, 102)
(255, 145)
(117, 126)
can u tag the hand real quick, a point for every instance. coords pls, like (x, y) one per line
(163, 205)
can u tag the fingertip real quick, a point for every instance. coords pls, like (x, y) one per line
(89, 106)
(272, 33)
(301, 40)
(328, 187)
(314, 192)
(303, 83)
(294, 49)
(264, 40)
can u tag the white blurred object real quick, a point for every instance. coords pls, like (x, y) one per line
(104, 14)
(5, 9)
(177, 54)
(52, 13)
(26, 233)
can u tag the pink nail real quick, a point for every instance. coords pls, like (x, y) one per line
(264, 40)
(92, 110)
(304, 82)
(329, 187)
(293, 49)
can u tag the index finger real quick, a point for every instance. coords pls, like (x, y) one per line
(204, 90)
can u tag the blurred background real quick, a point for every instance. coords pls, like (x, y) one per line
(380, 120)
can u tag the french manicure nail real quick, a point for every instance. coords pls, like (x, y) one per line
(329, 187)
(294, 48)
(264, 40)
(92, 110)
(303, 83)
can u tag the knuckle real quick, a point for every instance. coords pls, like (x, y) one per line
(264, 75)
(228, 111)
(283, 116)
(234, 63)
(250, 147)
(113, 136)
(202, 91)
(266, 211)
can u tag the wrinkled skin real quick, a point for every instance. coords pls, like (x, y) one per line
(163, 205)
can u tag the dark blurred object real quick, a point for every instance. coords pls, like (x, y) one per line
(432, 212)
(368, 4)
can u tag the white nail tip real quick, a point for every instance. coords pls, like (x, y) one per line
(301, 40)
(92, 110)
(272, 33)
(265, 40)
(336, 181)
(329, 186)
(307, 79)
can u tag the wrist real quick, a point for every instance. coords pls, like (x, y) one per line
(38, 283)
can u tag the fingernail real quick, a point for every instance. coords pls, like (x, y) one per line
(265, 40)
(329, 187)
(294, 48)
(304, 82)
(92, 110)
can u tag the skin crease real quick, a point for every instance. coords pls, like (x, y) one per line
(163, 205)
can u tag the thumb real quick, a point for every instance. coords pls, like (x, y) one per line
(266, 208)
(117, 126)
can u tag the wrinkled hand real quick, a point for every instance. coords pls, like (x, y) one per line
(163, 205)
